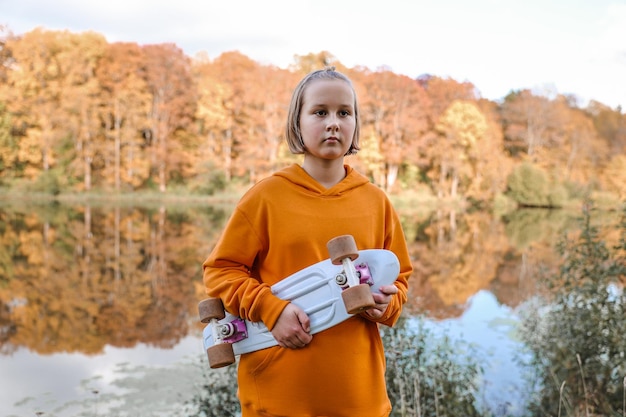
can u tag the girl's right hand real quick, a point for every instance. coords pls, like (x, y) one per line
(292, 329)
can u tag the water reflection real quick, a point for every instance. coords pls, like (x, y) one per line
(86, 279)
(467, 362)
(111, 275)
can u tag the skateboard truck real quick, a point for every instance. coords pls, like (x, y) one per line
(357, 297)
(221, 354)
(232, 332)
(362, 272)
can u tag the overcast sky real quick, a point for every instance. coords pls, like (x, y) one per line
(566, 46)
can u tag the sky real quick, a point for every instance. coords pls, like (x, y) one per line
(575, 47)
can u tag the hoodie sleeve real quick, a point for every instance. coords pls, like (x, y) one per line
(395, 241)
(228, 274)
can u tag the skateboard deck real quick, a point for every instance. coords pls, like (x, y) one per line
(315, 290)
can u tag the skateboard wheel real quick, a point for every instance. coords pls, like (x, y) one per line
(211, 308)
(342, 247)
(358, 299)
(220, 355)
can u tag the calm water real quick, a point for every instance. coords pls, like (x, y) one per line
(98, 303)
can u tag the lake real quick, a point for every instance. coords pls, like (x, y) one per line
(98, 310)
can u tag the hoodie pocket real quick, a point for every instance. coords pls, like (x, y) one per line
(255, 363)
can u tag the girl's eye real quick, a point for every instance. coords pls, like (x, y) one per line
(344, 113)
(320, 112)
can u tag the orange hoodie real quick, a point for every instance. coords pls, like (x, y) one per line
(280, 226)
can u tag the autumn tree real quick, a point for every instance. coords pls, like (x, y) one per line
(610, 125)
(556, 136)
(614, 176)
(582, 153)
(443, 91)
(304, 64)
(235, 73)
(210, 113)
(170, 81)
(457, 151)
(77, 113)
(268, 105)
(33, 95)
(8, 145)
(5, 53)
(53, 93)
(125, 104)
(395, 112)
(529, 123)
(494, 164)
(80, 102)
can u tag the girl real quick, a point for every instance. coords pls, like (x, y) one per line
(280, 226)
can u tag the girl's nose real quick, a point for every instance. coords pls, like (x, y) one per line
(333, 123)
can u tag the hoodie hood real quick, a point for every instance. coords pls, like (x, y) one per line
(298, 176)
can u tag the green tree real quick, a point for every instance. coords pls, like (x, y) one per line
(530, 186)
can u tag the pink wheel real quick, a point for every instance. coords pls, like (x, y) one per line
(211, 308)
(342, 247)
(220, 355)
(358, 299)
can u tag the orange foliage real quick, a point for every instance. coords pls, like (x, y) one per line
(91, 115)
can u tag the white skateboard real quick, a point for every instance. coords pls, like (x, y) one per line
(330, 292)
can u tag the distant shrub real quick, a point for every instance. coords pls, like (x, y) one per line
(48, 182)
(209, 182)
(530, 186)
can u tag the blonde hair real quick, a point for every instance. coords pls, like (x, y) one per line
(292, 132)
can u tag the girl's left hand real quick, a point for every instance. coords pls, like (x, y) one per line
(382, 301)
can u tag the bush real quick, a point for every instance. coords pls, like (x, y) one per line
(209, 182)
(576, 335)
(530, 186)
(429, 377)
(48, 182)
(425, 377)
(217, 396)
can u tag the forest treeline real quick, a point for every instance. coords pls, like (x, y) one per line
(80, 114)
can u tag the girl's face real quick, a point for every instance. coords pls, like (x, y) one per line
(327, 119)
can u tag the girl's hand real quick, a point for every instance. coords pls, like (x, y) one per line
(292, 328)
(382, 301)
